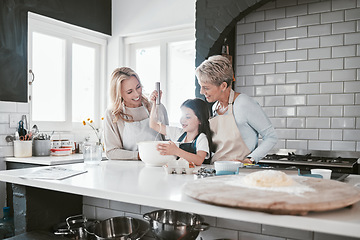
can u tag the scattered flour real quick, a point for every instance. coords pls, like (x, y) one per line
(272, 180)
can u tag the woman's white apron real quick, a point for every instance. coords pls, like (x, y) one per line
(138, 131)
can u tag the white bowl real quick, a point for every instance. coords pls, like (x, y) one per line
(150, 156)
(227, 166)
(326, 173)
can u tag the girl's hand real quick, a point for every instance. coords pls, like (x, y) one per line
(169, 148)
(154, 95)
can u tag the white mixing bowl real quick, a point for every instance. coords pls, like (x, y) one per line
(150, 156)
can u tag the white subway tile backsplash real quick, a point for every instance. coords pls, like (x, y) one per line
(254, 38)
(331, 111)
(315, 71)
(255, 80)
(255, 17)
(323, 99)
(297, 55)
(265, 47)
(352, 62)
(307, 134)
(352, 87)
(319, 53)
(343, 122)
(265, 26)
(319, 30)
(275, 78)
(265, 68)
(105, 213)
(343, 4)
(250, 91)
(260, 100)
(295, 100)
(264, 90)
(285, 111)
(217, 233)
(320, 7)
(254, 59)
(319, 122)
(331, 17)
(96, 202)
(344, 27)
(89, 212)
(343, 146)
(352, 38)
(286, 67)
(286, 45)
(286, 133)
(275, 35)
(295, 122)
(344, 75)
(331, 64)
(333, 40)
(125, 207)
(286, 232)
(238, 225)
(352, 14)
(293, 33)
(240, 60)
(275, 57)
(286, 23)
(275, 13)
(245, 70)
(352, 111)
(285, 89)
(246, 28)
(319, 145)
(309, 88)
(301, 77)
(240, 39)
(342, 99)
(305, 66)
(307, 111)
(330, 134)
(278, 122)
(308, 20)
(308, 42)
(296, 10)
(274, 101)
(323, 76)
(245, 49)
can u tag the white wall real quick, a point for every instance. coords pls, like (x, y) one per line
(143, 16)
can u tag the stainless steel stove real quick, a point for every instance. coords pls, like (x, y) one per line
(305, 160)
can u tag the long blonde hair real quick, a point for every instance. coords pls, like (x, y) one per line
(119, 75)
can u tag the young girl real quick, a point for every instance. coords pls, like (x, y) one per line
(194, 136)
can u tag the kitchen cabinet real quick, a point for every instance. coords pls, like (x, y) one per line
(133, 182)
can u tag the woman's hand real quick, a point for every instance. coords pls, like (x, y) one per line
(246, 160)
(169, 148)
(154, 95)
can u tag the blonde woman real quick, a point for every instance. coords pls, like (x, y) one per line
(127, 121)
(238, 120)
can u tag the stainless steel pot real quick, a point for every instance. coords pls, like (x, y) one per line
(74, 227)
(174, 225)
(116, 228)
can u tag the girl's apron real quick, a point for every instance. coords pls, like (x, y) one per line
(138, 131)
(188, 147)
(227, 139)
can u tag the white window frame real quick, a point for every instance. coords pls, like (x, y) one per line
(72, 34)
(162, 38)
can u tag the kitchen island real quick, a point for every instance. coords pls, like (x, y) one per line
(133, 182)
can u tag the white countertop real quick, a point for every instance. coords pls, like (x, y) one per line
(133, 182)
(49, 160)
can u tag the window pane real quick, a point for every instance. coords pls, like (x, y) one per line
(48, 65)
(181, 76)
(148, 67)
(83, 83)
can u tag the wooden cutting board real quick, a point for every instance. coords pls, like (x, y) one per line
(328, 195)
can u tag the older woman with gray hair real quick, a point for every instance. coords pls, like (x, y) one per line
(238, 120)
